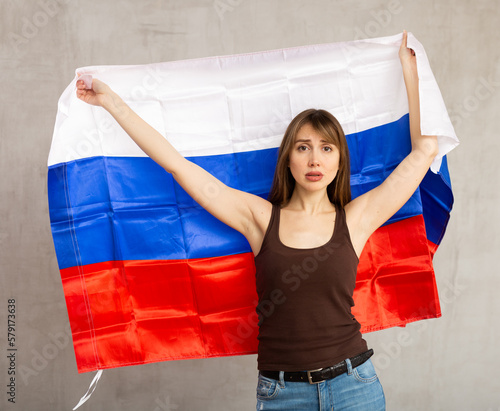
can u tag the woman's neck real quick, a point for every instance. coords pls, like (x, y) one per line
(310, 202)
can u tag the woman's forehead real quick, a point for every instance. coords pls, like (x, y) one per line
(309, 133)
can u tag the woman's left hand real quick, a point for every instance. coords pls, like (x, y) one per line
(407, 55)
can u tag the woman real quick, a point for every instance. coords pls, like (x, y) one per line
(306, 240)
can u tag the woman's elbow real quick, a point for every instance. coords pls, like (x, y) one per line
(428, 145)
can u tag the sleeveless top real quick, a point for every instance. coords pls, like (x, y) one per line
(305, 300)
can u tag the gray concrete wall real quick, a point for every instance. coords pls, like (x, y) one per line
(443, 364)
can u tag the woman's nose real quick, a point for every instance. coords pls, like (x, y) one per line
(313, 160)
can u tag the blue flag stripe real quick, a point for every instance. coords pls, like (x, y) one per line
(129, 208)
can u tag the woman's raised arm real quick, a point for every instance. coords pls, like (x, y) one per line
(246, 213)
(369, 211)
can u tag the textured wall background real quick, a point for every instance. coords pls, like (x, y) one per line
(443, 364)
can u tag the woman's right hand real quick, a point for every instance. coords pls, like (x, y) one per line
(95, 95)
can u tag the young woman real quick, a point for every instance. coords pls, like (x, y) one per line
(306, 240)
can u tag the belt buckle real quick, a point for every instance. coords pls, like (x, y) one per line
(309, 376)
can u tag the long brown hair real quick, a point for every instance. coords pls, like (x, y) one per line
(339, 190)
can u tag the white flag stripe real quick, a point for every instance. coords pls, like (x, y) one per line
(244, 102)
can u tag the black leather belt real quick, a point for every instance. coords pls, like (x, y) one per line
(322, 374)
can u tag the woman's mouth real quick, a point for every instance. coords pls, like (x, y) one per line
(314, 176)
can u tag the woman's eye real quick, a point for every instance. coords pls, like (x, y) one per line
(302, 148)
(327, 148)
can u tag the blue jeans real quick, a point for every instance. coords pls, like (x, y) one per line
(357, 390)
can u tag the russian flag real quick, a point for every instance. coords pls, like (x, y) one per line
(148, 275)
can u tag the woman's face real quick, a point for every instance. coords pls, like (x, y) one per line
(313, 161)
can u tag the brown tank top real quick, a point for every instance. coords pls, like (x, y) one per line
(305, 300)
